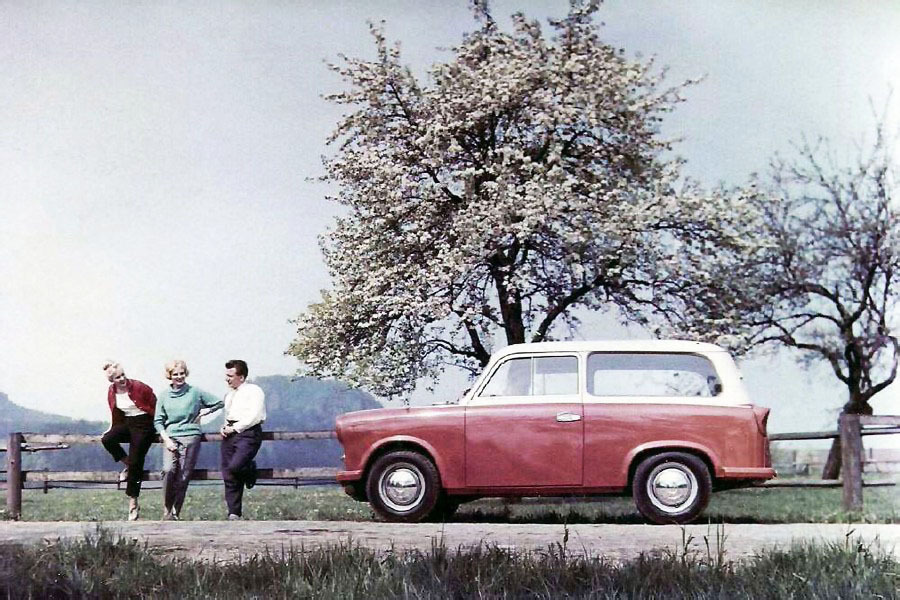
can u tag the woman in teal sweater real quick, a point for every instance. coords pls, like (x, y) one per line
(177, 421)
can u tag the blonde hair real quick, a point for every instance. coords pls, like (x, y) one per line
(172, 365)
(112, 368)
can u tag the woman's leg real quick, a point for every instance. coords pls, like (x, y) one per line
(113, 439)
(142, 436)
(190, 450)
(169, 478)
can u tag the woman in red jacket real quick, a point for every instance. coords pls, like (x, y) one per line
(132, 405)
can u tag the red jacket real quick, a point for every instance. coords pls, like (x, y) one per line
(140, 393)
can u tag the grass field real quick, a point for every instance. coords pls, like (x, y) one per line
(755, 505)
(103, 566)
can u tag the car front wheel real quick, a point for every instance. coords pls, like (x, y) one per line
(403, 486)
(672, 487)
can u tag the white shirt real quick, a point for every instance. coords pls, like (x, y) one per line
(246, 406)
(125, 404)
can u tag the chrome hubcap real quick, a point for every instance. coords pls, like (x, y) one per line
(672, 487)
(401, 487)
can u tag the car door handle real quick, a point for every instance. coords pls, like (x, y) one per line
(567, 417)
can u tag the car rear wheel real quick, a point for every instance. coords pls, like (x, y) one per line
(672, 487)
(403, 486)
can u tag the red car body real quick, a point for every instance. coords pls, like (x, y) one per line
(571, 440)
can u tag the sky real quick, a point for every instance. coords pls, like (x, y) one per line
(158, 197)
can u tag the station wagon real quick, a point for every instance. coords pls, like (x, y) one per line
(665, 421)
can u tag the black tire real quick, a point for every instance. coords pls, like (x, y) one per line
(403, 486)
(671, 487)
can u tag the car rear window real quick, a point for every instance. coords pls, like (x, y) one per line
(651, 374)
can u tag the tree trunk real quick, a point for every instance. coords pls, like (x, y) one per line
(832, 469)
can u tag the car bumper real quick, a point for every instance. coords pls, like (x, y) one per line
(348, 476)
(745, 473)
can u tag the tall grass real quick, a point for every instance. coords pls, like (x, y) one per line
(776, 505)
(102, 566)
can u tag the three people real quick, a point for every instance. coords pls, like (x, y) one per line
(137, 416)
(245, 411)
(177, 421)
(131, 405)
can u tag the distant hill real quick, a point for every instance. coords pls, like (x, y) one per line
(304, 403)
(18, 418)
(292, 404)
(297, 404)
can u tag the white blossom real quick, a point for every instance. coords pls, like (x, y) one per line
(525, 179)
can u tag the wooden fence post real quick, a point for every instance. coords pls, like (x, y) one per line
(851, 457)
(14, 476)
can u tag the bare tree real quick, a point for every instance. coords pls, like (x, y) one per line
(833, 264)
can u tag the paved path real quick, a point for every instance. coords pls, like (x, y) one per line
(225, 541)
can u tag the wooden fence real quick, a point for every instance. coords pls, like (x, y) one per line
(37, 442)
(792, 460)
(851, 430)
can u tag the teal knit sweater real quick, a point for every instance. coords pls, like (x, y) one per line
(178, 411)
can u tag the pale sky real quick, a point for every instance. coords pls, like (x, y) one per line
(155, 159)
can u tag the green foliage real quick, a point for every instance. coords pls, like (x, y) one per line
(104, 566)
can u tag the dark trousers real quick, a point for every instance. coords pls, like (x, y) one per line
(139, 434)
(238, 451)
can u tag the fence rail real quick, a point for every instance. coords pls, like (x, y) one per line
(850, 432)
(826, 435)
(30, 442)
(306, 473)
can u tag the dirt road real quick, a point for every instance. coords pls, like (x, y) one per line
(226, 541)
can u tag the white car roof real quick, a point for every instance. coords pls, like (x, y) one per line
(612, 346)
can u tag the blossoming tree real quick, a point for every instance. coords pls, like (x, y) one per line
(525, 178)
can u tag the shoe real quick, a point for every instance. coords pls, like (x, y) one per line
(175, 516)
(123, 475)
(169, 516)
(234, 517)
(250, 480)
(134, 513)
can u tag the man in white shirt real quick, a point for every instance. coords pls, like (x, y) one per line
(245, 411)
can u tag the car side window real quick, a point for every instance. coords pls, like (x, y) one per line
(651, 374)
(512, 378)
(534, 376)
(555, 375)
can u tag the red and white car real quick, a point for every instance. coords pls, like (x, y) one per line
(667, 421)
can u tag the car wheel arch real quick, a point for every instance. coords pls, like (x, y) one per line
(402, 443)
(640, 455)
